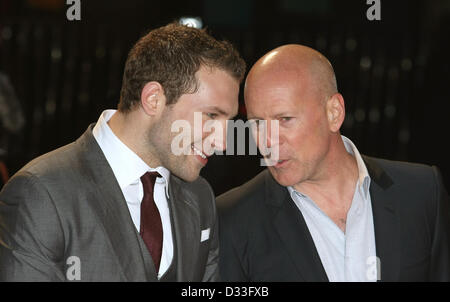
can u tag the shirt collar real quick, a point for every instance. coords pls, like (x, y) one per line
(127, 166)
(363, 174)
(293, 191)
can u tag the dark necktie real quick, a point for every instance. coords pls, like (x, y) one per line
(151, 226)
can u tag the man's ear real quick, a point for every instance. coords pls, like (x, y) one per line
(153, 99)
(335, 112)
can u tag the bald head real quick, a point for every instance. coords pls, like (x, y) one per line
(297, 65)
(295, 86)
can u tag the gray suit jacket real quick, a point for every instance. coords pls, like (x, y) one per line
(68, 203)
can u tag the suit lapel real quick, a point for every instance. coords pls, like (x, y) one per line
(294, 233)
(186, 226)
(386, 224)
(107, 200)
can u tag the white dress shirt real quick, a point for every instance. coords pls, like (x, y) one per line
(349, 256)
(128, 168)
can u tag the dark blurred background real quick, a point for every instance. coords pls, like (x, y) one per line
(57, 76)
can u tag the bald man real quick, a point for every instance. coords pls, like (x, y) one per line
(322, 211)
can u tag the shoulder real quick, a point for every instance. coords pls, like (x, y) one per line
(50, 176)
(248, 192)
(51, 162)
(68, 164)
(36, 184)
(402, 173)
(63, 163)
(53, 169)
(418, 187)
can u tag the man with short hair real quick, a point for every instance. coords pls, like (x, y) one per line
(119, 204)
(322, 211)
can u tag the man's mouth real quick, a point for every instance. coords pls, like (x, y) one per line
(280, 163)
(198, 152)
(276, 163)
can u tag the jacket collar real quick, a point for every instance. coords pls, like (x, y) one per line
(385, 219)
(106, 199)
(377, 173)
(186, 227)
(293, 232)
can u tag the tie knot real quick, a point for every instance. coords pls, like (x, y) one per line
(148, 179)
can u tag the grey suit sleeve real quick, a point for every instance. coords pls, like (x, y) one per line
(212, 265)
(440, 249)
(31, 236)
(212, 269)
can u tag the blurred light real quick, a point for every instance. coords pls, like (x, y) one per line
(195, 22)
(365, 62)
(406, 64)
(56, 54)
(50, 106)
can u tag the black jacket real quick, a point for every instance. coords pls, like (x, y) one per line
(263, 236)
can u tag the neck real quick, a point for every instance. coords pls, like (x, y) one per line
(130, 129)
(337, 176)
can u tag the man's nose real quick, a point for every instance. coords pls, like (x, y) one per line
(269, 133)
(220, 138)
(216, 138)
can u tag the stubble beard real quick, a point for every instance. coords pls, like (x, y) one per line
(159, 141)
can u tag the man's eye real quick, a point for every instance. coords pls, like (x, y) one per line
(211, 115)
(286, 119)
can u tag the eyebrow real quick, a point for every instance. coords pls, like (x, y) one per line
(220, 111)
(283, 114)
